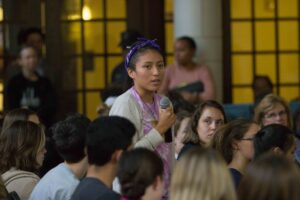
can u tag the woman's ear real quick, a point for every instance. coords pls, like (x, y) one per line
(234, 145)
(157, 183)
(131, 73)
(117, 155)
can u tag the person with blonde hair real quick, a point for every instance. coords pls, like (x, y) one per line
(201, 174)
(272, 109)
(271, 177)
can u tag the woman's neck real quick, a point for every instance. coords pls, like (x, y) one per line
(239, 164)
(189, 66)
(146, 96)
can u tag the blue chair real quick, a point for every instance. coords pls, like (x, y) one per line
(235, 111)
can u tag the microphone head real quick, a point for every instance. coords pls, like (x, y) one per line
(164, 102)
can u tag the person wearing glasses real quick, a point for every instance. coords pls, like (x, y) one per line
(206, 119)
(235, 143)
(272, 109)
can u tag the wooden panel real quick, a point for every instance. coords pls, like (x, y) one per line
(242, 69)
(288, 35)
(114, 30)
(289, 93)
(266, 65)
(240, 9)
(241, 36)
(289, 68)
(265, 36)
(288, 8)
(242, 95)
(94, 37)
(96, 78)
(116, 9)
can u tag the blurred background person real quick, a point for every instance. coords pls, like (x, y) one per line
(262, 85)
(29, 90)
(185, 71)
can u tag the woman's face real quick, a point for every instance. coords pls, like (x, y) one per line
(183, 52)
(41, 154)
(149, 71)
(180, 134)
(210, 119)
(245, 145)
(29, 59)
(277, 115)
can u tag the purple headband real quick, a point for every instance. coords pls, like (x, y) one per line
(142, 42)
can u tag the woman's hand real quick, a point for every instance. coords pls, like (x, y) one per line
(166, 120)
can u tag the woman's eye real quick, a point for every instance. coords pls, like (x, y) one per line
(147, 66)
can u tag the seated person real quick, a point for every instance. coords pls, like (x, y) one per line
(106, 139)
(22, 150)
(140, 173)
(186, 71)
(60, 182)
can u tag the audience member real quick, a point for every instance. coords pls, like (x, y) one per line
(206, 119)
(140, 174)
(235, 143)
(272, 109)
(22, 149)
(107, 138)
(34, 37)
(262, 85)
(201, 174)
(275, 138)
(140, 104)
(270, 177)
(22, 114)
(60, 182)
(180, 128)
(185, 71)
(29, 90)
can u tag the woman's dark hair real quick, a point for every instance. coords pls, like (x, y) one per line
(137, 170)
(15, 115)
(271, 176)
(274, 135)
(192, 134)
(19, 146)
(227, 134)
(189, 40)
(138, 48)
(181, 115)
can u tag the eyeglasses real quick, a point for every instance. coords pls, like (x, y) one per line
(274, 115)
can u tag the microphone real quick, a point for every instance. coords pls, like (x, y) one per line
(165, 103)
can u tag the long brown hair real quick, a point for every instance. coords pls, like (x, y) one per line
(19, 146)
(192, 134)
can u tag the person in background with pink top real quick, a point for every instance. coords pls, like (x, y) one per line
(185, 71)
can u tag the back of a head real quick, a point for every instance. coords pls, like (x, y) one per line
(19, 146)
(69, 137)
(271, 136)
(201, 174)
(138, 169)
(15, 115)
(271, 177)
(106, 135)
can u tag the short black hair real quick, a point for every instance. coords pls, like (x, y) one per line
(189, 40)
(69, 137)
(274, 135)
(105, 136)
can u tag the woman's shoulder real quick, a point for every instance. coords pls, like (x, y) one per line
(14, 175)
